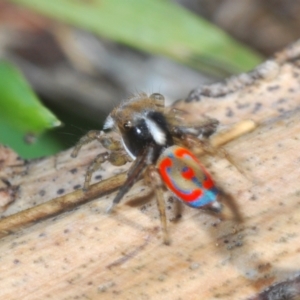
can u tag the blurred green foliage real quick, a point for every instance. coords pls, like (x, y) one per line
(154, 26)
(22, 116)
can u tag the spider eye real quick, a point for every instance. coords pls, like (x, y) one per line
(127, 125)
(157, 96)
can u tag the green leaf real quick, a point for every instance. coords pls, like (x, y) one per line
(19, 106)
(47, 144)
(155, 26)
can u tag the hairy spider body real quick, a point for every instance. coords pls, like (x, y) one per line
(157, 139)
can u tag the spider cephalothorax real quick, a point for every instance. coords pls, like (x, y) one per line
(157, 139)
(142, 124)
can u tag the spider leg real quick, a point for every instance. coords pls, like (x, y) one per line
(89, 137)
(107, 141)
(178, 205)
(199, 146)
(221, 153)
(95, 165)
(232, 206)
(134, 174)
(182, 124)
(115, 158)
(156, 183)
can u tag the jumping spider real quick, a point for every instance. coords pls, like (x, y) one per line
(158, 140)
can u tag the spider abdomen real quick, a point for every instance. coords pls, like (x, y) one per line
(186, 178)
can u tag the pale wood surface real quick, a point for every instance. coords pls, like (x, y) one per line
(87, 254)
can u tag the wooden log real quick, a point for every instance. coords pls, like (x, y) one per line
(86, 253)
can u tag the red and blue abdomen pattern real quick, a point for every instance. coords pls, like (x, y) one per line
(183, 175)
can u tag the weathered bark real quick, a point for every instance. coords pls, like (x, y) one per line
(87, 254)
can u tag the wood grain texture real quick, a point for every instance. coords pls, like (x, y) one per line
(86, 254)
